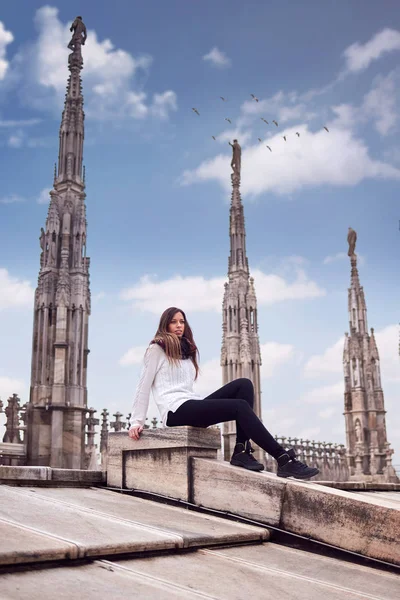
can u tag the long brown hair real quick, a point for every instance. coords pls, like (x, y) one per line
(171, 343)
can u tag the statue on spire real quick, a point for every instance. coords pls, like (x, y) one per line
(351, 239)
(236, 157)
(79, 34)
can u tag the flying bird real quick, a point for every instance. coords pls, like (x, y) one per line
(262, 119)
(224, 99)
(213, 137)
(284, 137)
(275, 122)
(196, 111)
(326, 129)
(259, 139)
(229, 121)
(254, 98)
(297, 133)
(269, 148)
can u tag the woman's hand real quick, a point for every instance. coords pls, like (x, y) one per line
(134, 432)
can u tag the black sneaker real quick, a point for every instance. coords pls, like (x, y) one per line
(289, 466)
(242, 457)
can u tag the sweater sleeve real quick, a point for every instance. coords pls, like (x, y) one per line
(151, 363)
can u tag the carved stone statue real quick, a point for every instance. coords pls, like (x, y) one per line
(351, 239)
(42, 238)
(357, 429)
(236, 157)
(79, 33)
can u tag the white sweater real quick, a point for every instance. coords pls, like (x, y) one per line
(170, 384)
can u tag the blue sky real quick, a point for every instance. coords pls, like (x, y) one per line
(158, 185)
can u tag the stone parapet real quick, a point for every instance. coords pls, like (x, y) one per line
(175, 462)
(15, 475)
(367, 526)
(160, 461)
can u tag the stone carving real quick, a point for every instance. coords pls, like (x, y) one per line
(351, 239)
(236, 157)
(79, 34)
(358, 431)
(42, 239)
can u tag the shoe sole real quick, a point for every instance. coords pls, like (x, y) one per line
(238, 464)
(299, 476)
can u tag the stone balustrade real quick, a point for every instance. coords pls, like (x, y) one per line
(329, 458)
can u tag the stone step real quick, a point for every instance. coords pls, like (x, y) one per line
(66, 524)
(256, 571)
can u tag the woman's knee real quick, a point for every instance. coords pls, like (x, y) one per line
(248, 389)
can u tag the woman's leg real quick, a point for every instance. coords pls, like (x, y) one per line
(203, 413)
(239, 388)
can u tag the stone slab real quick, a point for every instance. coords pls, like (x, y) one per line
(19, 545)
(159, 460)
(93, 534)
(259, 571)
(361, 485)
(342, 519)
(221, 486)
(193, 529)
(95, 523)
(23, 475)
(98, 581)
(332, 516)
(267, 571)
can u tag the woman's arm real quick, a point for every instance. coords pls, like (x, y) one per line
(151, 364)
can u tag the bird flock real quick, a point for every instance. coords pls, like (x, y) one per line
(214, 137)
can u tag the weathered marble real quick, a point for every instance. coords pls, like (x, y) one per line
(351, 522)
(160, 460)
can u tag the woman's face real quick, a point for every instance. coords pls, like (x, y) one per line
(177, 324)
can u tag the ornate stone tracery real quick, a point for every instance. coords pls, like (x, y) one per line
(58, 399)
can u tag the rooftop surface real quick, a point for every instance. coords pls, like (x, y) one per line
(94, 543)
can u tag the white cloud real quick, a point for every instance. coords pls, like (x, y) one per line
(6, 37)
(382, 101)
(331, 361)
(206, 294)
(326, 394)
(44, 197)
(387, 341)
(210, 377)
(359, 56)
(310, 433)
(11, 199)
(327, 413)
(217, 58)
(273, 356)
(335, 257)
(10, 386)
(110, 77)
(316, 158)
(14, 292)
(163, 104)
(16, 139)
(18, 123)
(342, 256)
(133, 356)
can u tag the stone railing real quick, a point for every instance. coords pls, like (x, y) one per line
(13, 444)
(329, 458)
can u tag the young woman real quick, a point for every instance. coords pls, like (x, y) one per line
(170, 369)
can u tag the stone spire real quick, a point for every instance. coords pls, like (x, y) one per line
(369, 452)
(240, 351)
(58, 398)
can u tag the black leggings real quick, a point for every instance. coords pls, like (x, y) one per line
(233, 402)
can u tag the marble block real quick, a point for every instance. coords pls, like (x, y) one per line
(160, 461)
